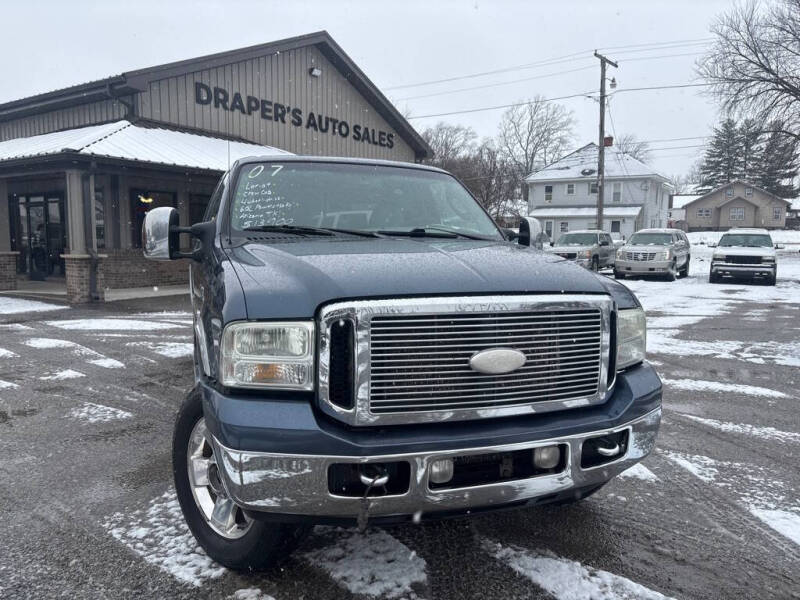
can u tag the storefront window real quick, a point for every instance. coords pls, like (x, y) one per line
(143, 201)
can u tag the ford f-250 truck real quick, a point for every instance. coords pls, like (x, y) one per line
(370, 347)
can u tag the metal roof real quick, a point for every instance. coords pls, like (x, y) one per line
(132, 82)
(586, 211)
(582, 164)
(126, 141)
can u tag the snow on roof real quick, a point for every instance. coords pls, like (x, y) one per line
(582, 164)
(586, 211)
(795, 204)
(681, 200)
(124, 140)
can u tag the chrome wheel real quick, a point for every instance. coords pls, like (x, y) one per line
(219, 511)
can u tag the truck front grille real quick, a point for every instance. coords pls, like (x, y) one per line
(640, 256)
(421, 362)
(743, 260)
(412, 357)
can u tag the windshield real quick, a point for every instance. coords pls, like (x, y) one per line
(356, 197)
(650, 239)
(577, 239)
(749, 240)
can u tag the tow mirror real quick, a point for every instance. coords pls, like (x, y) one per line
(161, 235)
(530, 232)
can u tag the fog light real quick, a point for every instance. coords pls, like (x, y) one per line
(546, 457)
(441, 471)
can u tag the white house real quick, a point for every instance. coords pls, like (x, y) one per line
(563, 195)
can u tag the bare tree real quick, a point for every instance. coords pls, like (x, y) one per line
(491, 179)
(449, 142)
(752, 66)
(628, 144)
(533, 135)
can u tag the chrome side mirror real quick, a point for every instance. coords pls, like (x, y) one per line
(159, 233)
(530, 232)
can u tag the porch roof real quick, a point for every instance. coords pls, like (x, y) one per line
(124, 140)
(585, 211)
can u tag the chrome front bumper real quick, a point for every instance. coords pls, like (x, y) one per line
(295, 484)
(721, 268)
(642, 266)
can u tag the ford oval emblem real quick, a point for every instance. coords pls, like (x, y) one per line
(496, 361)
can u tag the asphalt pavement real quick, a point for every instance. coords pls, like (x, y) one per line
(88, 397)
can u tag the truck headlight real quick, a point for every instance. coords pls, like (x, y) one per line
(716, 256)
(268, 355)
(621, 254)
(665, 255)
(587, 254)
(631, 337)
(768, 259)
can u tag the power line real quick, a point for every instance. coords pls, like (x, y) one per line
(473, 110)
(556, 60)
(661, 87)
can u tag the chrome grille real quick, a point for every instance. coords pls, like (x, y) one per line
(640, 256)
(413, 356)
(735, 259)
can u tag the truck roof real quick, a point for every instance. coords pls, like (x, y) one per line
(752, 230)
(336, 160)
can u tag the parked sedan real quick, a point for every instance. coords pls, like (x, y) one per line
(664, 252)
(590, 248)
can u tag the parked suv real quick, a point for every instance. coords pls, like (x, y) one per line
(408, 363)
(664, 252)
(589, 248)
(745, 253)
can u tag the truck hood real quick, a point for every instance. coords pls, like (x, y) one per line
(743, 251)
(293, 279)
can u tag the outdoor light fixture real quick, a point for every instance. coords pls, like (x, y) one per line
(613, 83)
(145, 199)
(315, 71)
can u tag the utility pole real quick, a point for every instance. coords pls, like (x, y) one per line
(601, 140)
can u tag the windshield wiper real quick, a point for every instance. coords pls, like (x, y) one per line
(310, 230)
(431, 231)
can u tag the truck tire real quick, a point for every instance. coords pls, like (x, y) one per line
(241, 543)
(619, 274)
(713, 278)
(672, 272)
(685, 271)
(595, 264)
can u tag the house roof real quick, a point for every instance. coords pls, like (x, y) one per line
(681, 200)
(734, 182)
(136, 81)
(585, 211)
(582, 164)
(127, 141)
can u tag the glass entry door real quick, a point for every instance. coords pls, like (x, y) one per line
(38, 233)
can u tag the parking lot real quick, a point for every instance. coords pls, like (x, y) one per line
(88, 397)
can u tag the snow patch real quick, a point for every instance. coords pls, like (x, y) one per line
(98, 413)
(61, 375)
(108, 363)
(767, 433)
(701, 467)
(112, 325)
(7, 353)
(372, 564)
(639, 471)
(160, 536)
(783, 521)
(567, 579)
(168, 349)
(698, 385)
(93, 357)
(7, 385)
(10, 306)
(250, 594)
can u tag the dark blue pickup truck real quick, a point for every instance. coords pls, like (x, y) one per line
(370, 347)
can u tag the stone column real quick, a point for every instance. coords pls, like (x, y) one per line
(76, 233)
(78, 269)
(5, 218)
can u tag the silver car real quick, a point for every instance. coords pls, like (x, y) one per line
(662, 252)
(590, 248)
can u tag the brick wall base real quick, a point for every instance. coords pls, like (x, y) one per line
(8, 270)
(77, 268)
(129, 268)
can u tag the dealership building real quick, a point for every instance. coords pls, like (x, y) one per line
(80, 166)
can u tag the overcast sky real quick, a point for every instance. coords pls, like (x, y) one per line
(48, 45)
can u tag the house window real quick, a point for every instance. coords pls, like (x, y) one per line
(593, 187)
(570, 189)
(729, 192)
(777, 213)
(748, 192)
(563, 226)
(615, 226)
(617, 195)
(737, 213)
(703, 213)
(548, 193)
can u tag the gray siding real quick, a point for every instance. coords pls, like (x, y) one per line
(279, 78)
(65, 118)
